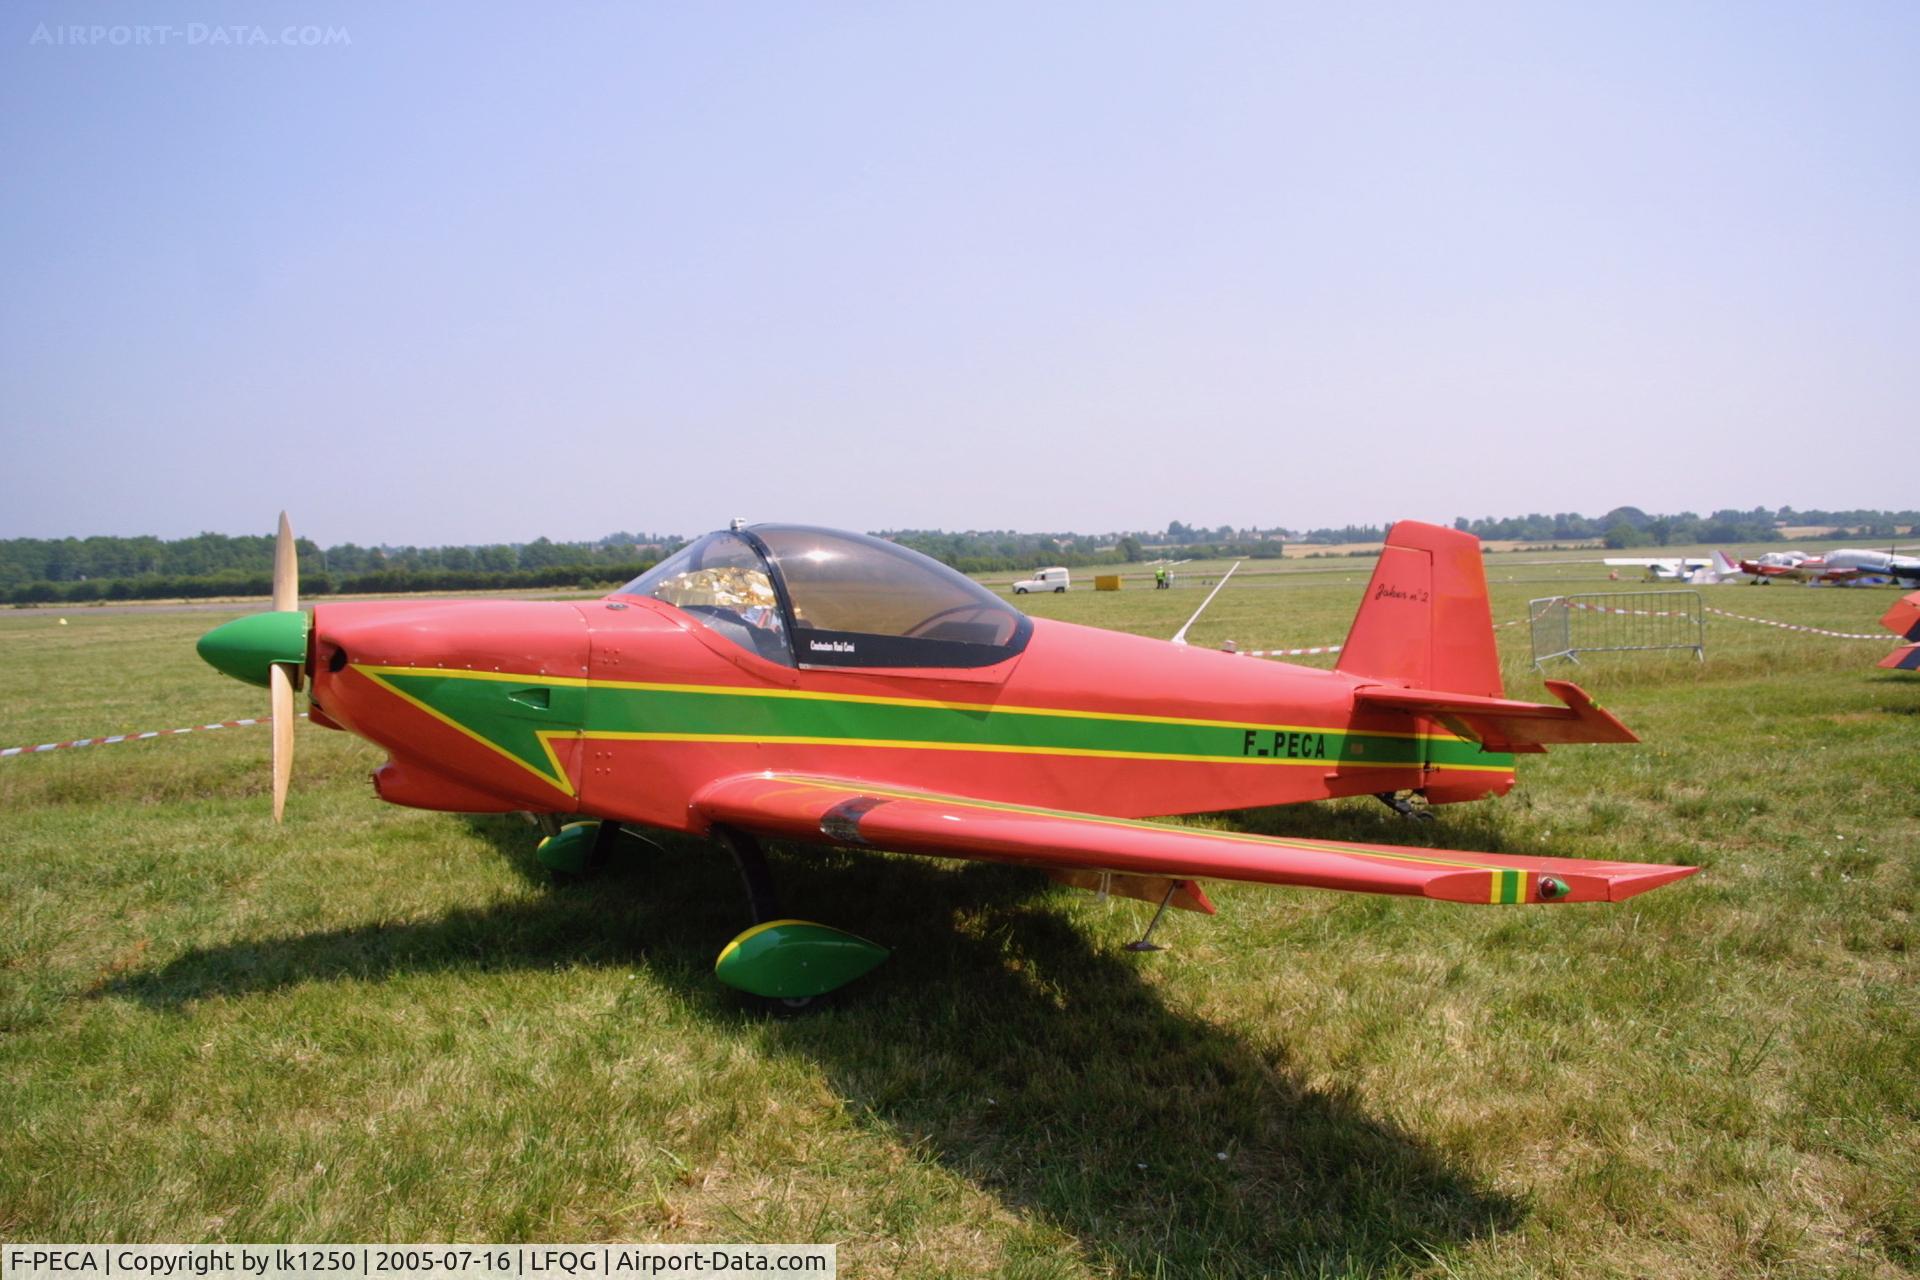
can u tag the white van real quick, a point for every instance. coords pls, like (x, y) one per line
(1055, 579)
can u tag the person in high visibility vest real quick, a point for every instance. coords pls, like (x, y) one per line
(1159, 576)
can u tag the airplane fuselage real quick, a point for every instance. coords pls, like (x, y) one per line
(627, 707)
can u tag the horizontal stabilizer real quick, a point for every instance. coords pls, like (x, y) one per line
(1907, 659)
(1501, 724)
(847, 812)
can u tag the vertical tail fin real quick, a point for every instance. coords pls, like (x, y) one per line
(1425, 622)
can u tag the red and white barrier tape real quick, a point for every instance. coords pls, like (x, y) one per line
(137, 737)
(1788, 626)
(1326, 648)
(1286, 653)
(1638, 613)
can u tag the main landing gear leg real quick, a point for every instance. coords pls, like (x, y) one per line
(579, 849)
(605, 837)
(763, 901)
(1144, 942)
(1403, 806)
(788, 963)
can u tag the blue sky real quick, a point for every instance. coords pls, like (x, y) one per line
(479, 273)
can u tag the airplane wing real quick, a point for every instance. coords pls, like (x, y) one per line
(1502, 724)
(845, 812)
(1907, 659)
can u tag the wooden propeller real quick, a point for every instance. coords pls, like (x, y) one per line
(283, 676)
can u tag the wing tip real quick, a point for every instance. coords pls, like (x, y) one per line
(1623, 887)
(1520, 886)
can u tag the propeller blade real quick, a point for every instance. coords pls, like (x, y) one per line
(286, 569)
(281, 687)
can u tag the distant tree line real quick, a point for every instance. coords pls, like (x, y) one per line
(1861, 524)
(50, 570)
(998, 551)
(1625, 527)
(36, 570)
(1185, 535)
(1346, 533)
(1630, 527)
(237, 582)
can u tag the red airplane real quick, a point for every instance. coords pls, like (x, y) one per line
(1847, 565)
(1904, 620)
(803, 684)
(1794, 566)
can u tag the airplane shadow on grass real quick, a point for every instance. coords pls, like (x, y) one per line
(999, 1039)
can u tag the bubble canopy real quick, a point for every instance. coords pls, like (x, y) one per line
(823, 597)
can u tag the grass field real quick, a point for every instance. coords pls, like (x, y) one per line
(374, 1023)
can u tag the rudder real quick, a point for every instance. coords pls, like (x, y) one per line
(1425, 622)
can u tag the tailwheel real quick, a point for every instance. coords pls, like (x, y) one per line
(789, 965)
(579, 849)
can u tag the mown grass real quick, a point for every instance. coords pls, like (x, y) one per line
(373, 1023)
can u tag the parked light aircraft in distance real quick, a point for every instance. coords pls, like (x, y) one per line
(1794, 566)
(1846, 565)
(1876, 564)
(1695, 571)
(797, 683)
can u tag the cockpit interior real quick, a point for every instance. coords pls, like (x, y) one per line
(806, 596)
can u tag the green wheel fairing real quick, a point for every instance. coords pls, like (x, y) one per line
(795, 959)
(567, 851)
(501, 711)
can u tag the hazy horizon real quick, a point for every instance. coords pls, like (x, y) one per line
(441, 276)
(1203, 531)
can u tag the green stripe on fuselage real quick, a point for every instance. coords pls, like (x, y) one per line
(498, 711)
